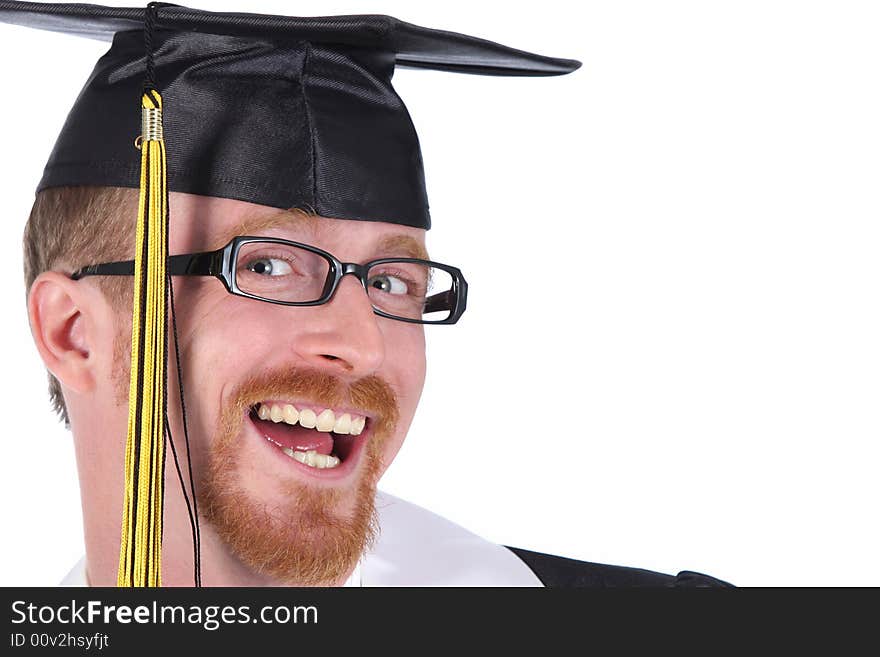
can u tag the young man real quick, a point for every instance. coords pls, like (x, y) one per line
(301, 285)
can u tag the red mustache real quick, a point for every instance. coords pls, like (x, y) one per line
(370, 394)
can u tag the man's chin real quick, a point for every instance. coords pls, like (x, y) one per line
(314, 536)
(278, 517)
(303, 533)
(309, 536)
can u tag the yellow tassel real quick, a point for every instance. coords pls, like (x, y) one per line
(140, 554)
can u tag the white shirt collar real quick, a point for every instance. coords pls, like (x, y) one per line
(416, 547)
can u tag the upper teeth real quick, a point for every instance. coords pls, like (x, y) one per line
(326, 421)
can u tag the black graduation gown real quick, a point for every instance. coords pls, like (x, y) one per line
(559, 572)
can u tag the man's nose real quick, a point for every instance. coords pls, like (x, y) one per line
(342, 335)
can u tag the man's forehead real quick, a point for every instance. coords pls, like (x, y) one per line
(217, 221)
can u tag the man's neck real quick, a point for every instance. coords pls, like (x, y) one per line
(219, 567)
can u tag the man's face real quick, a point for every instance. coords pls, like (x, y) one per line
(279, 516)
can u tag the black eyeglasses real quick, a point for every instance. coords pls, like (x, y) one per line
(293, 274)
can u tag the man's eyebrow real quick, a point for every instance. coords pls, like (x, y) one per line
(255, 224)
(402, 245)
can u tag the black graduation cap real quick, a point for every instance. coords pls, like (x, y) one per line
(279, 111)
(275, 110)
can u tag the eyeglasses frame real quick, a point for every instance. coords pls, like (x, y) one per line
(219, 264)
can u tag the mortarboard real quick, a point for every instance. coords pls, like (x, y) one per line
(279, 111)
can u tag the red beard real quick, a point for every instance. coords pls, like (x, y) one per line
(307, 535)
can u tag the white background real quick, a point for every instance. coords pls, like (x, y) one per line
(670, 357)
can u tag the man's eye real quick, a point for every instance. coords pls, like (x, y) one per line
(269, 267)
(388, 283)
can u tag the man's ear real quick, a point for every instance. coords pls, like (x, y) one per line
(64, 315)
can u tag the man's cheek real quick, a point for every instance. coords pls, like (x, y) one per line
(218, 359)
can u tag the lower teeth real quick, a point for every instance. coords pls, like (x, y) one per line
(312, 458)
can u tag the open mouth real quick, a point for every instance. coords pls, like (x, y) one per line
(318, 438)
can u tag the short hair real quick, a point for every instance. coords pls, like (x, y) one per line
(71, 227)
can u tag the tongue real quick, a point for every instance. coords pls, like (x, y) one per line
(296, 437)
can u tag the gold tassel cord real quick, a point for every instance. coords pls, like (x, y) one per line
(140, 555)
